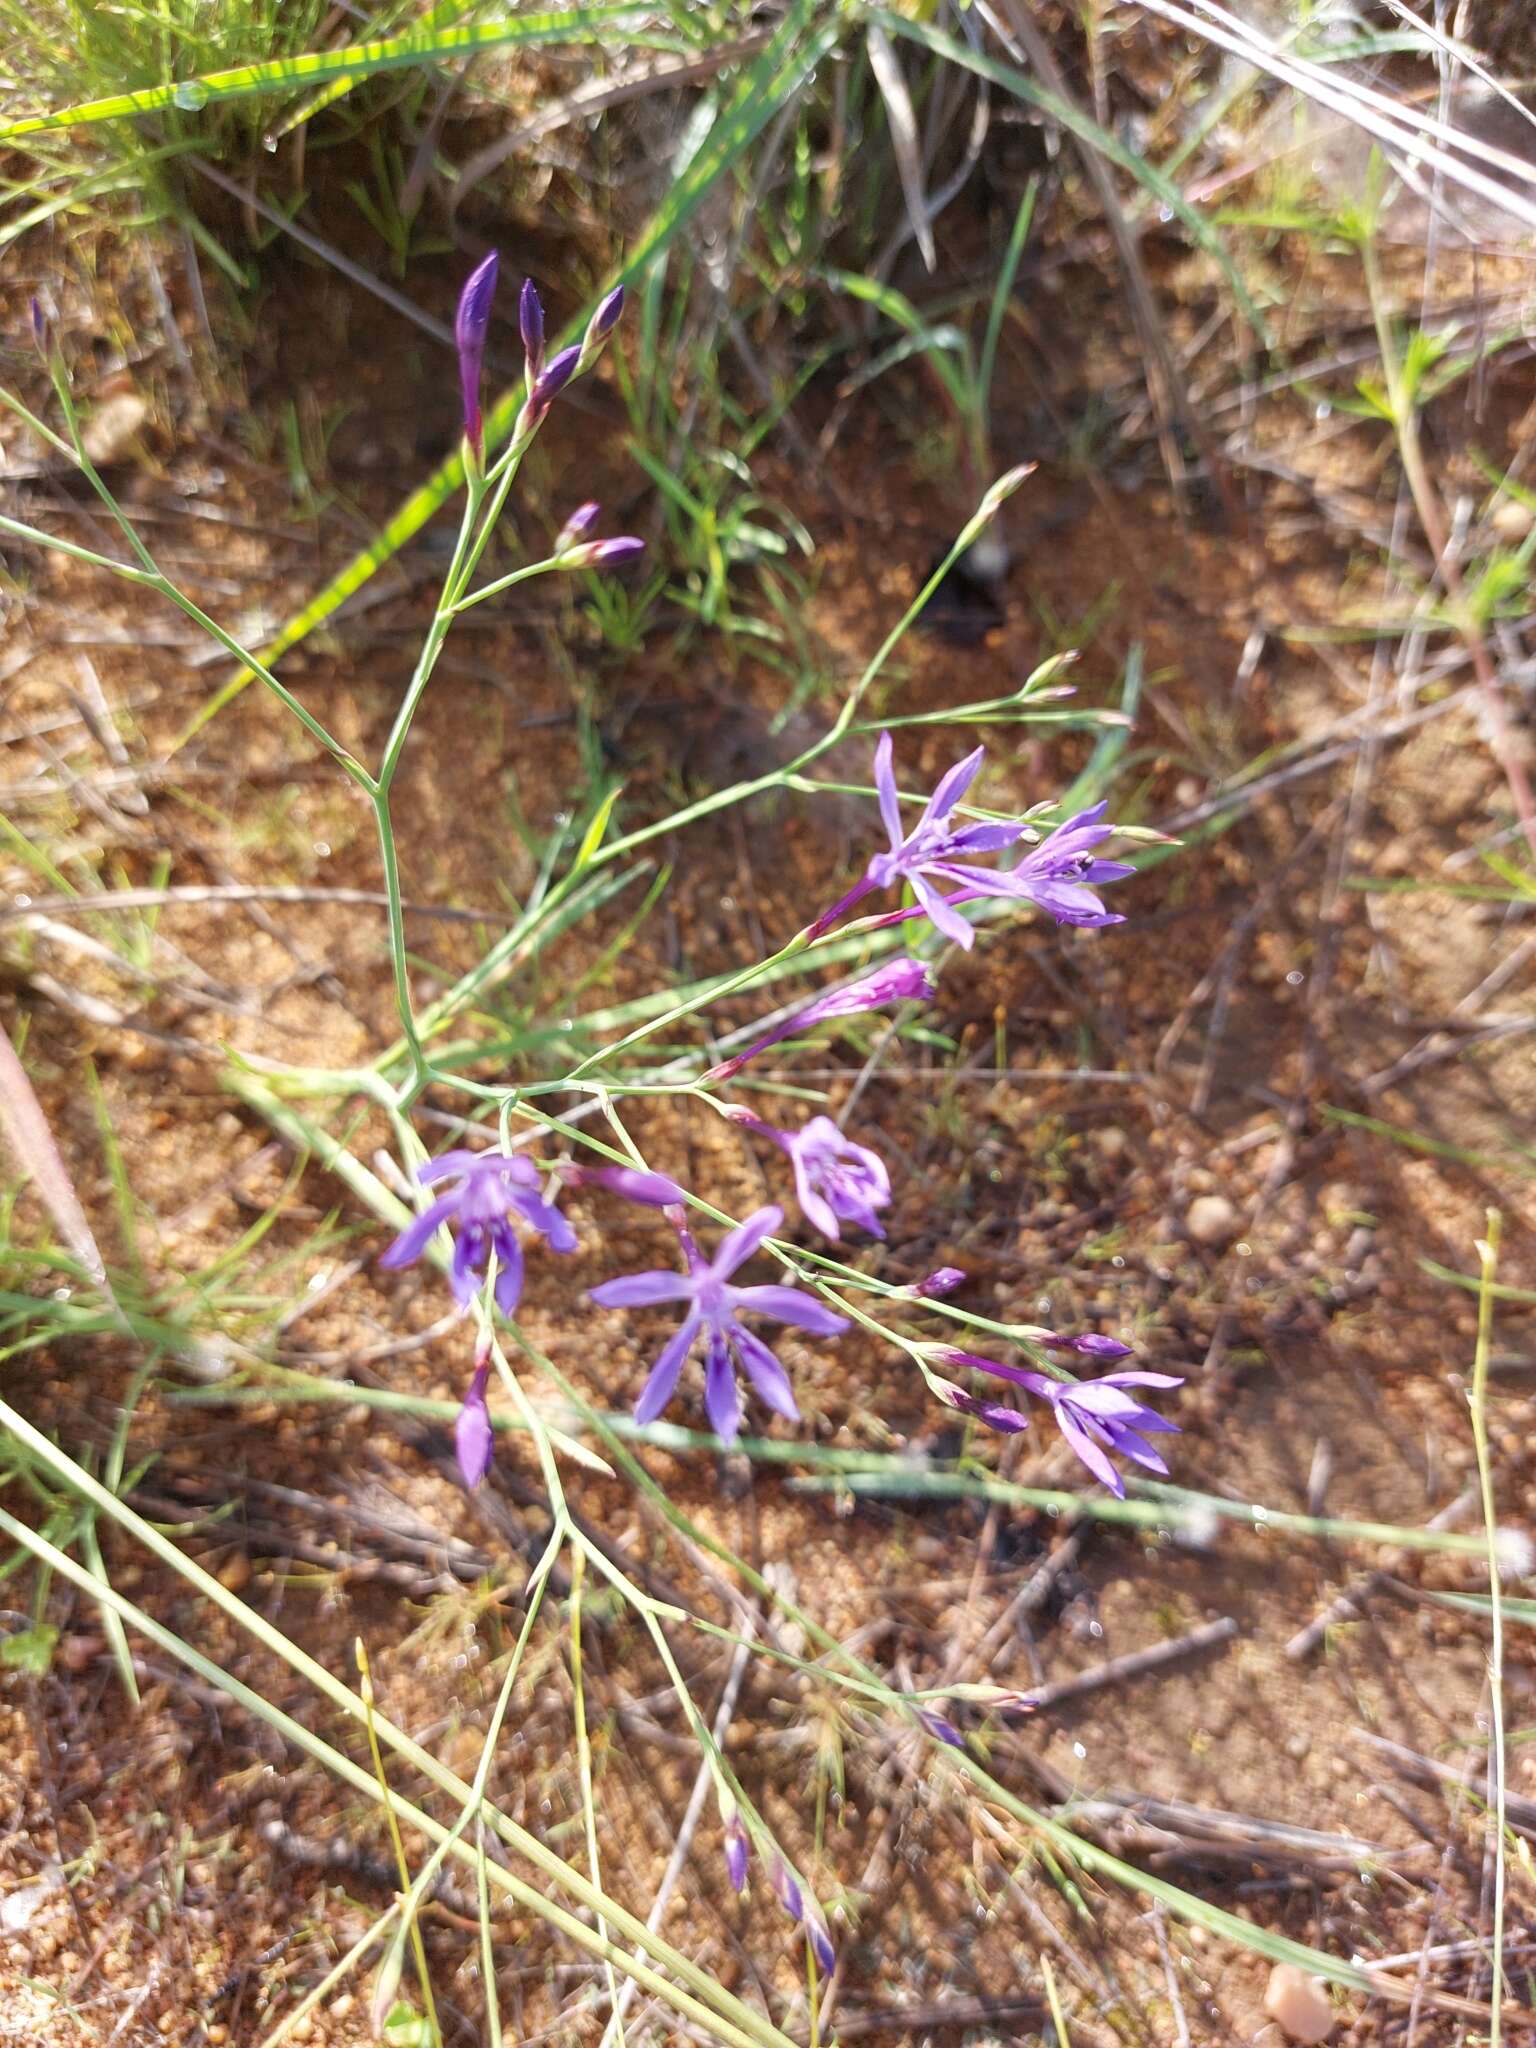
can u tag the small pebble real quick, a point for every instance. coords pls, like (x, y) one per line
(1211, 1220)
(1299, 2003)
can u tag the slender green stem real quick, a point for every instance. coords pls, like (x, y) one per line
(1488, 1260)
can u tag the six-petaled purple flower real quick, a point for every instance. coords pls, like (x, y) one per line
(1098, 1418)
(493, 1188)
(836, 1181)
(713, 1311)
(1059, 875)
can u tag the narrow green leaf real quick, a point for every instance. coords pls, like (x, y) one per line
(355, 61)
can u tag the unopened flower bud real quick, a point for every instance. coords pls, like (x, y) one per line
(577, 527)
(737, 1850)
(530, 320)
(470, 329)
(601, 325)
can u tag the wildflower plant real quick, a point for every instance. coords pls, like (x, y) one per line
(501, 1195)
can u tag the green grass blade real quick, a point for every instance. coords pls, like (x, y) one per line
(1077, 123)
(354, 62)
(764, 89)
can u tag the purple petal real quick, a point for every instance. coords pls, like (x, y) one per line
(738, 1245)
(952, 786)
(509, 1274)
(1130, 1445)
(765, 1372)
(642, 1290)
(547, 1220)
(790, 1305)
(447, 1163)
(470, 1251)
(983, 838)
(722, 1401)
(885, 789)
(815, 1207)
(949, 922)
(416, 1236)
(1092, 1456)
(661, 1381)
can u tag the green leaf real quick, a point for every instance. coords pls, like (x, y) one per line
(351, 63)
(30, 1649)
(592, 838)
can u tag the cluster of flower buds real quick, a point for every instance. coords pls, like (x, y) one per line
(546, 377)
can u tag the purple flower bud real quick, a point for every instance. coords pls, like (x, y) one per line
(551, 381)
(576, 527)
(896, 982)
(600, 326)
(821, 1942)
(1007, 1421)
(631, 1182)
(940, 1729)
(941, 1281)
(39, 324)
(473, 1438)
(737, 1850)
(1090, 1346)
(787, 1891)
(595, 554)
(530, 319)
(469, 332)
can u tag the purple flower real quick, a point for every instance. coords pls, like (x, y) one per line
(1097, 1417)
(737, 1849)
(530, 320)
(492, 1189)
(928, 849)
(469, 331)
(896, 982)
(713, 1308)
(835, 1179)
(1059, 875)
(473, 1438)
